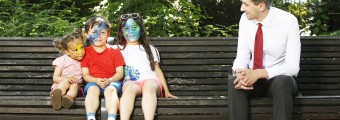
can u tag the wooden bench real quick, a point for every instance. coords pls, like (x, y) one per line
(196, 70)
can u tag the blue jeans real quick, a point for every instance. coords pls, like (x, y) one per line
(116, 84)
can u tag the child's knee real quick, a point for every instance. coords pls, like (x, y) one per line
(110, 91)
(150, 88)
(93, 90)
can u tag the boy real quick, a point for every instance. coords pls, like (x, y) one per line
(102, 69)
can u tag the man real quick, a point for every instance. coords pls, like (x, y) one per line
(268, 57)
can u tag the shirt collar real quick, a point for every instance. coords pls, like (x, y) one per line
(267, 21)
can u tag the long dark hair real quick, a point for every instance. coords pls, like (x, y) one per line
(143, 39)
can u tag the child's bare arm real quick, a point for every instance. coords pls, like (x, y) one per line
(87, 77)
(119, 74)
(57, 76)
(160, 76)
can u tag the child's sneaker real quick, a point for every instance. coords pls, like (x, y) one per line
(56, 99)
(67, 102)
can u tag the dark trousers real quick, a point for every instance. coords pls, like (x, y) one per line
(281, 88)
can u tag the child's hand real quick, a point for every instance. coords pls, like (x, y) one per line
(103, 82)
(169, 95)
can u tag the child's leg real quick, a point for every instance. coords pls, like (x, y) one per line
(56, 95)
(72, 93)
(73, 90)
(149, 101)
(128, 99)
(111, 100)
(63, 86)
(92, 99)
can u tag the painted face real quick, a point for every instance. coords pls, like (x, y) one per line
(131, 30)
(76, 49)
(98, 34)
(250, 9)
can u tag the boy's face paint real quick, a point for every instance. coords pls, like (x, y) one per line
(96, 32)
(131, 30)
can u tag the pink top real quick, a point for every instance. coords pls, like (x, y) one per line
(69, 66)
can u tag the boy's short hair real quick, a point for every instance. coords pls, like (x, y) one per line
(96, 20)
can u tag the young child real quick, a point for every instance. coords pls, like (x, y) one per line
(67, 75)
(143, 76)
(102, 69)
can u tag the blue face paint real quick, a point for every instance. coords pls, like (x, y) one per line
(131, 30)
(96, 29)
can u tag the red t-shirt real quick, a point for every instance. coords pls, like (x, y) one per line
(102, 65)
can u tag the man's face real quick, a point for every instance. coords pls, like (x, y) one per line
(98, 34)
(76, 49)
(250, 9)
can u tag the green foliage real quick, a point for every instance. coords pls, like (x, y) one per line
(164, 18)
(38, 18)
(318, 17)
(161, 18)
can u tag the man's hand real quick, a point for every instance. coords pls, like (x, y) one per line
(251, 76)
(240, 80)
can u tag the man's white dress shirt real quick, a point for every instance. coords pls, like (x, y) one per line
(281, 43)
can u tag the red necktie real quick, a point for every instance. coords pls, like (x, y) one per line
(258, 48)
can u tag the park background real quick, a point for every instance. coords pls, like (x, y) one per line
(163, 18)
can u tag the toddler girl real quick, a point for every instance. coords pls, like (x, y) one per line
(67, 75)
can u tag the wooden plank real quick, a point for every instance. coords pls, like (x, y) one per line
(195, 74)
(27, 62)
(35, 103)
(38, 43)
(319, 73)
(320, 86)
(74, 111)
(180, 93)
(186, 49)
(42, 117)
(27, 68)
(184, 117)
(324, 80)
(333, 54)
(41, 55)
(195, 87)
(198, 55)
(319, 67)
(195, 43)
(25, 87)
(26, 81)
(26, 75)
(197, 61)
(25, 93)
(194, 81)
(320, 92)
(24, 49)
(183, 68)
(320, 61)
(323, 48)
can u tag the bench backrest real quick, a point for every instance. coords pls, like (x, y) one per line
(192, 66)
